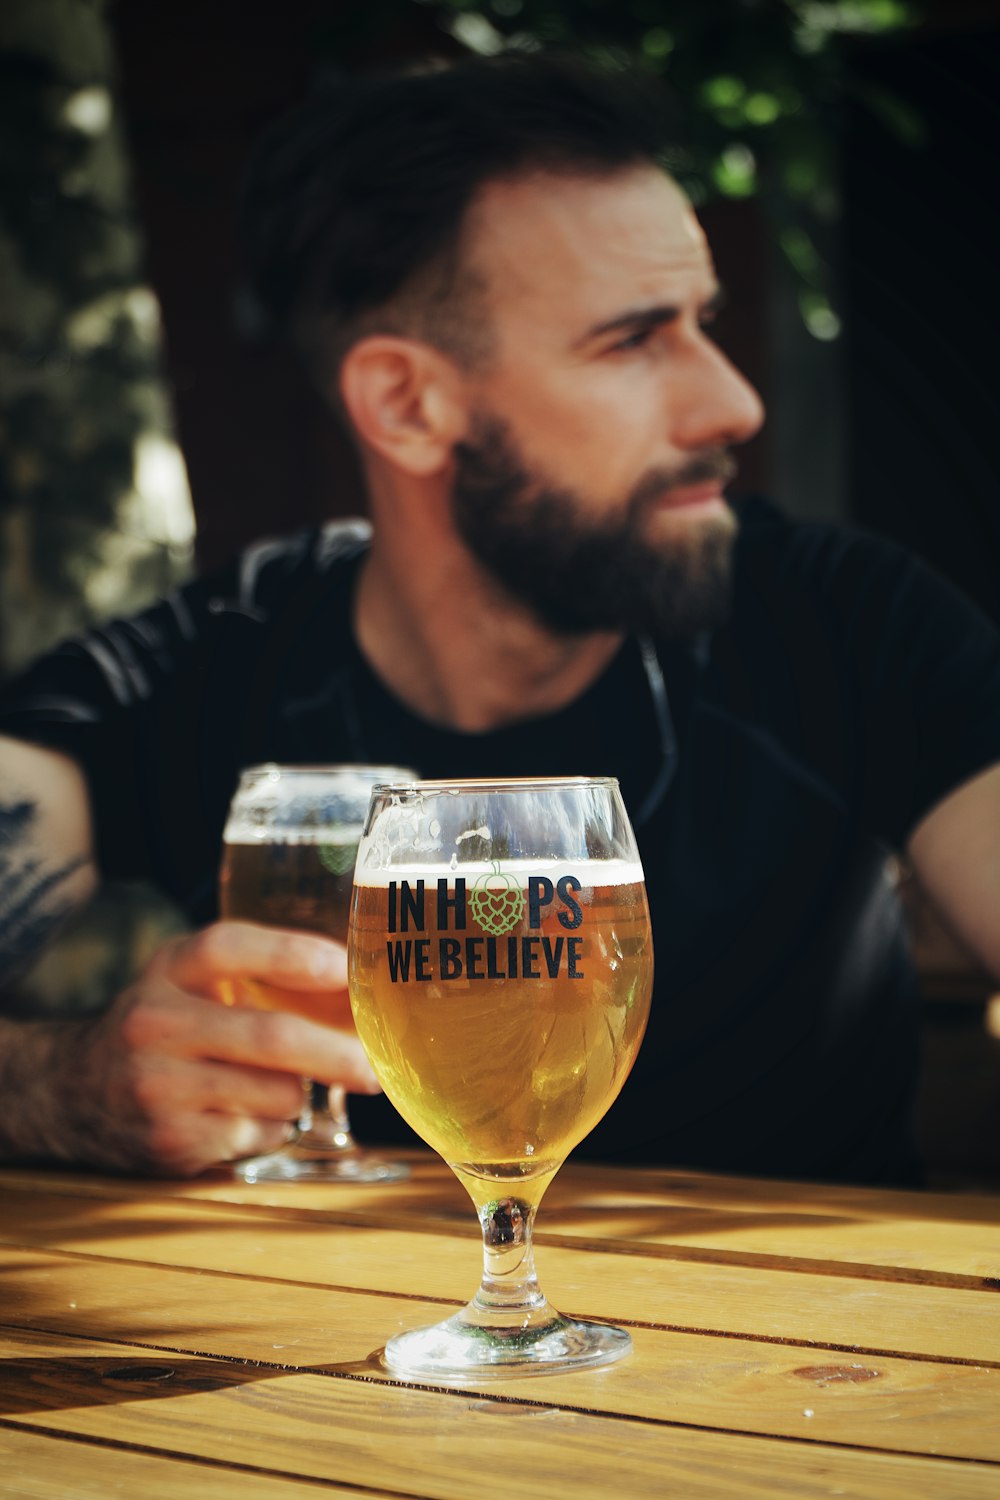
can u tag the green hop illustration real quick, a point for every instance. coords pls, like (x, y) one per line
(338, 858)
(496, 902)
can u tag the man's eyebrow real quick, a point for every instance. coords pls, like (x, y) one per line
(637, 318)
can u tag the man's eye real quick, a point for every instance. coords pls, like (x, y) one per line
(634, 340)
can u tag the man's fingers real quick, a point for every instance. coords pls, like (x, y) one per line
(192, 1026)
(191, 1143)
(182, 1086)
(243, 950)
(249, 1137)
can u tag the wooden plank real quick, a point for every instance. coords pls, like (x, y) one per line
(434, 1189)
(920, 1236)
(431, 1180)
(838, 1311)
(734, 1246)
(435, 1444)
(35, 1466)
(918, 1406)
(774, 1223)
(435, 1192)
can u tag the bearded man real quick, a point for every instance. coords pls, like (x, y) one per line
(510, 304)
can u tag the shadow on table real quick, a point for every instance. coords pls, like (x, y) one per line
(39, 1383)
(76, 1224)
(33, 1384)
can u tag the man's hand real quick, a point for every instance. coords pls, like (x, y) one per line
(168, 1080)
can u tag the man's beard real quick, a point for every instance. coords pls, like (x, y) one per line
(580, 575)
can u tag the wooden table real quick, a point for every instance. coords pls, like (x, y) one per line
(222, 1341)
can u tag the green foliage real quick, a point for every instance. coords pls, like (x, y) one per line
(761, 86)
(79, 336)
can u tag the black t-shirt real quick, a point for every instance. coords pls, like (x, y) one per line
(850, 691)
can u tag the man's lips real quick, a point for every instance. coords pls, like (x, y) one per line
(680, 496)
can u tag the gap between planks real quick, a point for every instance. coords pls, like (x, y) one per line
(460, 1229)
(257, 1278)
(425, 1412)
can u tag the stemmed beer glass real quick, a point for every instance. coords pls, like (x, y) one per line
(501, 966)
(288, 861)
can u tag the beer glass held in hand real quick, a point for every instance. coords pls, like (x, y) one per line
(500, 970)
(288, 861)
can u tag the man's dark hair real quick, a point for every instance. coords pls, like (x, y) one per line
(355, 203)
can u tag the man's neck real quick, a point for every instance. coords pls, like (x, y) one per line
(451, 644)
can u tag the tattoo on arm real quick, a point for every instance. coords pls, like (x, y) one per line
(33, 896)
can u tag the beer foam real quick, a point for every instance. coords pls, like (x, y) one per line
(590, 872)
(240, 833)
(304, 804)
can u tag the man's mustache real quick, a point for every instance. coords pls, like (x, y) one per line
(715, 463)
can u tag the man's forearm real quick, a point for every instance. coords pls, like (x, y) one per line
(956, 853)
(37, 891)
(68, 1091)
(36, 898)
(47, 867)
(47, 872)
(35, 1062)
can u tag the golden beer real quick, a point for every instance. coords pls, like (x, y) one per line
(502, 1042)
(500, 968)
(289, 848)
(295, 883)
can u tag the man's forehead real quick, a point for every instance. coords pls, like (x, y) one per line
(587, 240)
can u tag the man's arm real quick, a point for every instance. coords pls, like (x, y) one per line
(47, 867)
(955, 851)
(167, 1079)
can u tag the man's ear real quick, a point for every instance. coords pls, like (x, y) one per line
(404, 399)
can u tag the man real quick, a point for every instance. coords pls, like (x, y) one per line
(510, 304)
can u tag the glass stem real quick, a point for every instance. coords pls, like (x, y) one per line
(329, 1127)
(509, 1280)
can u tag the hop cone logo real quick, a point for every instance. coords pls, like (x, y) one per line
(338, 858)
(496, 902)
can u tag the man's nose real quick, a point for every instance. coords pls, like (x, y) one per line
(713, 404)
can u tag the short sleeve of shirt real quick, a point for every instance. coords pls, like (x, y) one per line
(897, 674)
(933, 686)
(155, 708)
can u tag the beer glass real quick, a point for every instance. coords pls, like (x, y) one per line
(288, 861)
(501, 966)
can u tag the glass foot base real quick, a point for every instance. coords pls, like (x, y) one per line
(313, 1164)
(461, 1350)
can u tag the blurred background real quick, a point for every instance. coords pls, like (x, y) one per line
(842, 155)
